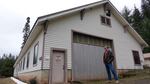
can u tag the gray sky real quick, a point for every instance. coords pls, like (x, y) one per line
(13, 15)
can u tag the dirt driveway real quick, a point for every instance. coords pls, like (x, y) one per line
(132, 77)
(6, 81)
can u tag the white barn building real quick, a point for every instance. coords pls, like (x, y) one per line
(68, 45)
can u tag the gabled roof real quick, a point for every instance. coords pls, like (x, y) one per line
(113, 9)
(49, 17)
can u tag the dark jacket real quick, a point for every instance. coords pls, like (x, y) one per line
(109, 58)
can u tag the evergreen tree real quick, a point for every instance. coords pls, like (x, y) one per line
(140, 21)
(126, 14)
(6, 65)
(26, 31)
(137, 20)
(145, 7)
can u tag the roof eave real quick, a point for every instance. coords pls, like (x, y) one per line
(69, 11)
(133, 32)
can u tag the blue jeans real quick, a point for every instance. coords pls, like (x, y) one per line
(110, 69)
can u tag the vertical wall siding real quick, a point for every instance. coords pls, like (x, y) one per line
(88, 62)
(59, 36)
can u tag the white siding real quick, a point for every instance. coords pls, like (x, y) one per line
(59, 36)
(147, 63)
(39, 40)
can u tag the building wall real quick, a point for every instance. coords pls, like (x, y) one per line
(147, 62)
(59, 36)
(18, 69)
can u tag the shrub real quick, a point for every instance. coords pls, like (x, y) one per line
(33, 81)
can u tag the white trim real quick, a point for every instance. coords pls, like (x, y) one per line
(17, 81)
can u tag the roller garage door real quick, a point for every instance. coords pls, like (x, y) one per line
(87, 59)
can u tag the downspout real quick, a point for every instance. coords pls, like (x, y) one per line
(45, 26)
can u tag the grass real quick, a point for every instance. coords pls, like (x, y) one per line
(6, 81)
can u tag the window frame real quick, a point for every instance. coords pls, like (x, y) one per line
(136, 57)
(35, 56)
(28, 60)
(23, 66)
(105, 20)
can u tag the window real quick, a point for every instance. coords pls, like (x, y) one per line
(21, 66)
(136, 57)
(35, 56)
(105, 20)
(23, 63)
(90, 40)
(27, 65)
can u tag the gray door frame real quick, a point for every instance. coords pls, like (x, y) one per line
(51, 63)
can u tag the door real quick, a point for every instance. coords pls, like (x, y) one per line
(58, 69)
(87, 59)
(88, 62)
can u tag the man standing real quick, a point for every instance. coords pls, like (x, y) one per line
(108, 58)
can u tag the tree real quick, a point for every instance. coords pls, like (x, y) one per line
(137, 20)
(145, 7)
(126, 14)
(6, 65)
(26, 31)
(140, 21)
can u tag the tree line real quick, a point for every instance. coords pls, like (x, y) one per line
(6, 65)
(139, 19)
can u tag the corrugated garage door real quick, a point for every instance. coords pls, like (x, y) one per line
(88, 57)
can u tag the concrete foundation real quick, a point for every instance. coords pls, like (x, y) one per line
(41, 76)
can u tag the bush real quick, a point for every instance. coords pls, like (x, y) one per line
(33, 81)
(146, 67)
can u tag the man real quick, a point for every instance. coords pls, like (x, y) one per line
(108, 58)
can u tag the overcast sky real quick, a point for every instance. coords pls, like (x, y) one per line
(13, 15)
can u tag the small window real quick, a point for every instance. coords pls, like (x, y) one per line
(35, 56)
(21, 66)
(23, 63)
(105, 20)
(108, 21)
(136, 57)
(27, 65)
